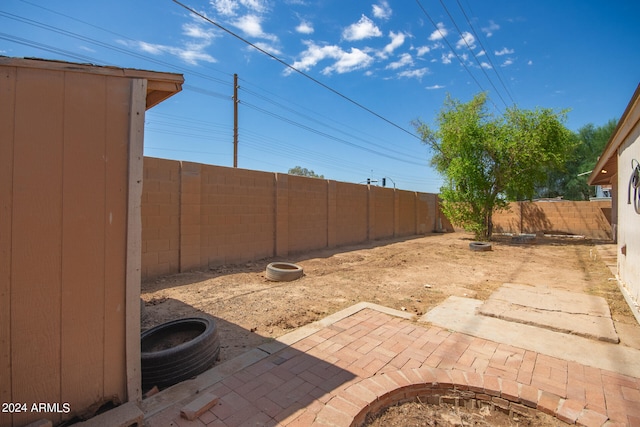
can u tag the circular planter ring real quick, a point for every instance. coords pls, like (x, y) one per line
(178, 350)
(480, 246)
(523, 238)
(283, 272)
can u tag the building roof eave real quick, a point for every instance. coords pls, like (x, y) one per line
(607, 166)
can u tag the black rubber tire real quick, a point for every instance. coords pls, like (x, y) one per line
(480, 246)
(283, 272)
(166, 367)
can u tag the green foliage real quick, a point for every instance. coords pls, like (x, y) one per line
(300, 171)
(572, 183)
(487, 161)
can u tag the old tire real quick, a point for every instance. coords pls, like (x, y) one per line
(480, 246)
(178, 350)
(283, 272)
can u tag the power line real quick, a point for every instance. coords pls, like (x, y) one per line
(108, 46)
(46, 48)
(256, 141)
(179, 130)
(487, 52)
(326, 135)
(104, 30)
(463, 38)
(291, 67)
(442, 36)
(298, 113)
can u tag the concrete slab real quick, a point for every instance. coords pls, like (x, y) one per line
(460, 315)
(558, 310)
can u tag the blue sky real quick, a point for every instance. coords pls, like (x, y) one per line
(386, 62)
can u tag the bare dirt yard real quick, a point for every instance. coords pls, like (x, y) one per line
(412, 274)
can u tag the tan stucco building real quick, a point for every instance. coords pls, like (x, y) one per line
(71, 140)
(619, 167)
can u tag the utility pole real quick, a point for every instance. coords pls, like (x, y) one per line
(235, 120)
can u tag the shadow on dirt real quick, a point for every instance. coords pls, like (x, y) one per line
(234, 339)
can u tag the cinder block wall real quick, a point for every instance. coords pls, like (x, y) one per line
(349, 211)
(160, 217)
(590, 219)
(307, 213)
(199, 216)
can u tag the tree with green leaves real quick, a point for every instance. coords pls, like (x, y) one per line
(571, 183)
(300, 171)
(488, 160)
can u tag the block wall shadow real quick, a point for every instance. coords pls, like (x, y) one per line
(534, 219)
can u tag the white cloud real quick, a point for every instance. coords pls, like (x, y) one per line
(446, 58)
(363, 29)
(315, 54)
(267, 48)
(467, 40)
(507, 62)
(382, 10)
(305, 27)
(530, 62)
(405, 59)
(491, 28)
(259, 6)
(193, 49)
(481, 53)
(349, 61)
(225, 7)
(251, 25)
(417, 73)
(191, 53)
(397, 40)
(422, 50)
(344, 61)
(230, 7)
(485, 65)
(440, 33)
(434, 87)
(192, 29)
(504, 51)
(154, 49)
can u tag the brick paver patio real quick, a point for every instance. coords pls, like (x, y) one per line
(335, 374)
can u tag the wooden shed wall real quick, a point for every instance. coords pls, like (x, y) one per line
(63, 239)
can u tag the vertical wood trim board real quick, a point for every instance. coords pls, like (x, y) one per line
(134, 238)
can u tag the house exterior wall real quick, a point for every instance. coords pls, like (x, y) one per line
(628, 202)
(198, 216)
(64, 162)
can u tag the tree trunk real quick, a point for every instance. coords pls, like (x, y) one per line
(489, 224)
